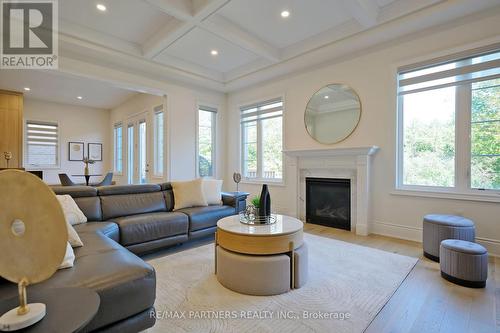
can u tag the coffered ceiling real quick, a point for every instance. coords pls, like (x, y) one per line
(176, 39)
(62, 88)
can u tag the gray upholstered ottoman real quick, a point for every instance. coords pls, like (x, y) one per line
(253, 275)
(261, 274)
(437, 227)
(301, 266)
(464, 263)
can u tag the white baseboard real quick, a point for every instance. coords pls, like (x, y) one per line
(492, 245)
(415, 234)
(397, 231)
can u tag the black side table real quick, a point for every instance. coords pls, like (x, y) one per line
(240, 199)
(67, 309)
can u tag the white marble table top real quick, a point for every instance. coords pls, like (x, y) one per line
(284, 225)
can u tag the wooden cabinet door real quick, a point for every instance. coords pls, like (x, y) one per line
(11, 128)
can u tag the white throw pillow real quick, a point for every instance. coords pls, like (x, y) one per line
(69, 258)
(73, 238)
(188, 194)
(71, 210)
(212, 191)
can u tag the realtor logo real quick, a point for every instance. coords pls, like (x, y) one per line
(29, 34)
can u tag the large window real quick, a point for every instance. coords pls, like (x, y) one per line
(118, 147)
(206, 141)
(449, 124)
(262, 140)
(158, 141)
(42, 144)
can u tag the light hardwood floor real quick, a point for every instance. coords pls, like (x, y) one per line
(426, 303)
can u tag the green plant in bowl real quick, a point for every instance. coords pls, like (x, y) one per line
(255, 202)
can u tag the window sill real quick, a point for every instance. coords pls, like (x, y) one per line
(279, 183)
(484, 197)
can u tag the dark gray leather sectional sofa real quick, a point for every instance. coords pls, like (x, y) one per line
(123, 222)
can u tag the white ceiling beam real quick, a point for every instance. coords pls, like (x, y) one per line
(180, 9)
(75, 49)
(164, 37)
(72, 29)
(170, 33)
(231, 32)
(364, 11)
(205, 8)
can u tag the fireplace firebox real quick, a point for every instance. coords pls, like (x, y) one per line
(328, 202)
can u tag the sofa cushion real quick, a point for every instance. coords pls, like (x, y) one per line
(75, 191)
(169, 199)
(95, 243)
(131, 204)
(128, 189)
(151, 246)
(91, 207)
(108, 229)
(206, 217)
(72, 212)
(212, 191)
(188, 194)
(166, 186)
(141, 228)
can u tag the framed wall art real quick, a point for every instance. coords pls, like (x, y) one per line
(76, 151)
(95, 151)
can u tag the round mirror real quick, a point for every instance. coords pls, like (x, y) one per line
(332, 113)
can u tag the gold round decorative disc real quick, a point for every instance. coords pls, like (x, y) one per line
(33, 232)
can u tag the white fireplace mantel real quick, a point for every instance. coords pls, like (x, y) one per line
(332, 161)
(357, 151)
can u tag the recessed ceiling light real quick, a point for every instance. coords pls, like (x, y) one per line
(327, 97)
(285, 13)
(214, 52)
(27, 88)
(101, 7)
(79, 97)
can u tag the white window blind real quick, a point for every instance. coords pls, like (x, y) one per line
(264, 110)
(42, 144)
(473, 68)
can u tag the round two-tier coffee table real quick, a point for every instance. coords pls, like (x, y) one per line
(260, 259)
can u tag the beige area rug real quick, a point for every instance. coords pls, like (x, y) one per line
(345, 280)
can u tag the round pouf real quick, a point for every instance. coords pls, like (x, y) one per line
(464, 263)
(437, 227)
(301, 270)
(253, 275)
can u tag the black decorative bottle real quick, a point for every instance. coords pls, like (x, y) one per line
(265, 202)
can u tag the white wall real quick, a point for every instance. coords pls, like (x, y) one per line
(372, 76)
(180, 126)
(182, 108)
(76, 123)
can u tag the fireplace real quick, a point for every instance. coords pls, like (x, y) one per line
(328, 202)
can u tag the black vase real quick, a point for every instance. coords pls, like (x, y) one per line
(264, 202)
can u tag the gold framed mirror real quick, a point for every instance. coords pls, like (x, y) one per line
(332, 113)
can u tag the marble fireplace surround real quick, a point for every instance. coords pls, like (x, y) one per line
(347, 163)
